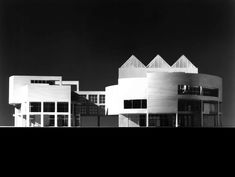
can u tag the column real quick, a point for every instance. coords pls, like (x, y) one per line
(147, 119)
(176, 120)
(42, 118)
(55, 114)
(69, 116)
(201, 113)
(217, 123)
(27, 114)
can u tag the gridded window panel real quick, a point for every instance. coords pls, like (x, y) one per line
(83, 95)
(83, 110)
(210, 92)
(62, 120)
(144, 103)
(189, 90)
(127, 104)
(50, 82)
(102, 109)
(102, 98)
(35, 106)
(62, 107)
(93, 110)
(93, 98)
(135, 104)
(210, 107)
(49, 120)
(34, 120)
(48, 107)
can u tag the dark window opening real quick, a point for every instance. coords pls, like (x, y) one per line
(127, 104)
(62, 120)
(48, 107)
(189, 105)
(62, 107)
(50, 82)
(210, 92)
(135, 104)
(35, 106)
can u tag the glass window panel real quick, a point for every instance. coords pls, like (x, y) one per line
(48, 107)
(62, 107)
(49, 120)
(35, 106)
(62, 120)
(93, 98)
(101, 98)
(136, 103)
(127, 104)
(34, 120)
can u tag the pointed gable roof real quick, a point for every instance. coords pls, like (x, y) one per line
(183, 62)
(133, 62)
(158, 62)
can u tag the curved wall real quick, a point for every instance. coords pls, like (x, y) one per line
(162, 89)
(159, 88)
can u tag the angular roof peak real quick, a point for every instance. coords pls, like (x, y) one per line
(183, 62)
(133, 62)
(158, 62)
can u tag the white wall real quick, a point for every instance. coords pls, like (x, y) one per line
(112, 101)
(16, 84)
(48, 93)
(130, 89)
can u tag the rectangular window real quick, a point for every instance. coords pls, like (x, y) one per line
(93, 110)
(210, 92)
(49, 120)
(35, 106)
(144, 104)
(210, 107)
(189, 90)
(48, 107)
(62, 107)
(142, 121)
(83, 110)
(220, 107)
(82, 95)
(34, 120)
(50, 82)
(93, 98)
(102, 109)
(127, 104)
(62, 120)
(135, 104)
(102, 98)
(189, 105)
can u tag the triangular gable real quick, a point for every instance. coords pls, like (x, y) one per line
(183, 62)
(133, 62)
(158, 62)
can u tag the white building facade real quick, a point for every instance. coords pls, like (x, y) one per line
(156, 95)
(160, 95)
(46, 101)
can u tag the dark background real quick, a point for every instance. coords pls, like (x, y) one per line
(89, 40)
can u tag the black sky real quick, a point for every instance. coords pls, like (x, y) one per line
(89, 40)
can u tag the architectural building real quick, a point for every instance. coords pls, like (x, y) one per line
(156, 95)
(162, 95)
